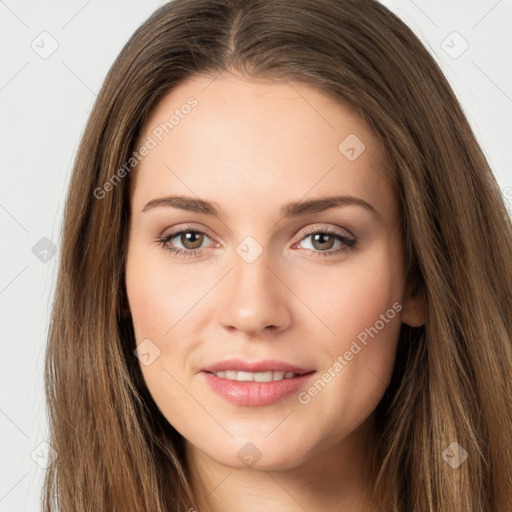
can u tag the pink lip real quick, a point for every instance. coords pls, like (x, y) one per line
(255, 394)
(266, 365)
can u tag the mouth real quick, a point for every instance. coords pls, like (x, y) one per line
(255, 384)
(268, 376)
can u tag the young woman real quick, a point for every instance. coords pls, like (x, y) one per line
(285, 279)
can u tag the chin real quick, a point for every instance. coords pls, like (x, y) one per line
(259, 456)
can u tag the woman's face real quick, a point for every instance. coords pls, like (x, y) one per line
(278, 275)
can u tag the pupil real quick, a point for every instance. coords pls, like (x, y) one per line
(187, 240)
(322, 243)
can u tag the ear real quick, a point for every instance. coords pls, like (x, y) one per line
(414, 311)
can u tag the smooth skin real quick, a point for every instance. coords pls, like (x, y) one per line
(251, 146)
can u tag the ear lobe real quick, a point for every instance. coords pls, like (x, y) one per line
(414, 311)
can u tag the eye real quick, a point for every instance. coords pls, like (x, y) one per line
(322, 241)
(191, 239)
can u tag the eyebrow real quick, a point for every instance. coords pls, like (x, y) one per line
(293, 209)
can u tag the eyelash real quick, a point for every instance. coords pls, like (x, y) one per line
(349, 243)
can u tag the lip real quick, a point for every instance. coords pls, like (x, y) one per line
(255, 394)
(266, 365)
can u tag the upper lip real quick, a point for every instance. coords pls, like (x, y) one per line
(266, 365)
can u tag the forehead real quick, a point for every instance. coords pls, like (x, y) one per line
(242, 140)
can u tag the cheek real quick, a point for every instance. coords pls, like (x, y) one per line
(352, 297)
(365, 296)
(157, 312)
(149, 303)
(166, 307)
(361, 304)
(158, 297)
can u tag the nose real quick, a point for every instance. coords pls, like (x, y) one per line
(253, 297)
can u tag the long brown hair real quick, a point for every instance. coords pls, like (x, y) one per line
(452, 380)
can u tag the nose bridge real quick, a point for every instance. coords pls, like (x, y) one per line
(253, 277)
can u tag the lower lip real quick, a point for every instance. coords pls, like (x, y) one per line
(254, 394)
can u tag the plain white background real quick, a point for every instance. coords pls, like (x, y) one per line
(55, 57)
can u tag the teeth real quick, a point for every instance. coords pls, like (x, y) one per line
(256, 377)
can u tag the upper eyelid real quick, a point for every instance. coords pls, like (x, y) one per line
(185, 229)
(310, 231)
